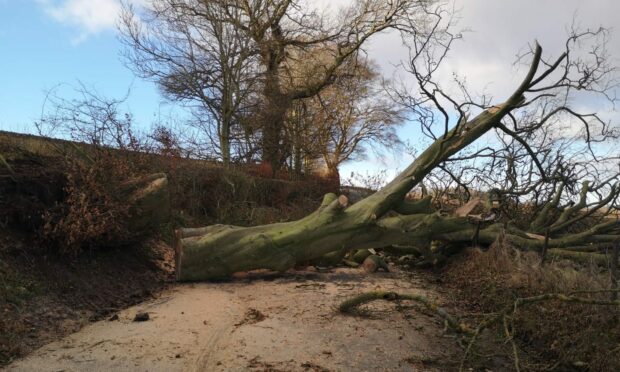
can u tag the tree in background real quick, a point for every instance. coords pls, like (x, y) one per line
(283, 29)
(209, 51)
(110, 195)
(352, 114)
(339, 123)
(196, 56)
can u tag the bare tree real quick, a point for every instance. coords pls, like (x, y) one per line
(109, 197)
(544, 146)
(343, 120)
(211, 51)
(352, 115)
(88, 117)
(196, 56)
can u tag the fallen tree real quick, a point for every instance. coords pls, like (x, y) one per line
(388, 218)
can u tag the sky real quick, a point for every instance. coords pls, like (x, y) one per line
(54, 44)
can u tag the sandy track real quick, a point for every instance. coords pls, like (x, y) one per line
(220, 327)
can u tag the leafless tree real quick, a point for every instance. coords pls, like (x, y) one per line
(545, 153)
(88, 117)
(344, 119)
(196, 56)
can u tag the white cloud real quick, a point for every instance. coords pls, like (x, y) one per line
(88, 17)
(498, 31)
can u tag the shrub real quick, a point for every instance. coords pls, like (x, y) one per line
(93, 214)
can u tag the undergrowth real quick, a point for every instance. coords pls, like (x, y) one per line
(550, 335)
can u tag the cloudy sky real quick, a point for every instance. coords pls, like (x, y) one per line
(44, 43)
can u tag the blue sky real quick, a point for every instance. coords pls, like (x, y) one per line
(38, 53)
(44, 43)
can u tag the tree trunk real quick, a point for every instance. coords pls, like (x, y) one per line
(272, 118)
(225, 144)
(298, 139)
(333, 175)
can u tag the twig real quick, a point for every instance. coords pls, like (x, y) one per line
(543, 254)
(6, 164)
(510, 337)
(614, 272)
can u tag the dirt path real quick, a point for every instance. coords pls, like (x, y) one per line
(279, 324)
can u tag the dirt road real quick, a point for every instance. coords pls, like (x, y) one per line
(285, 323)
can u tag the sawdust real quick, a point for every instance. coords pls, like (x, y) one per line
(287, 323)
